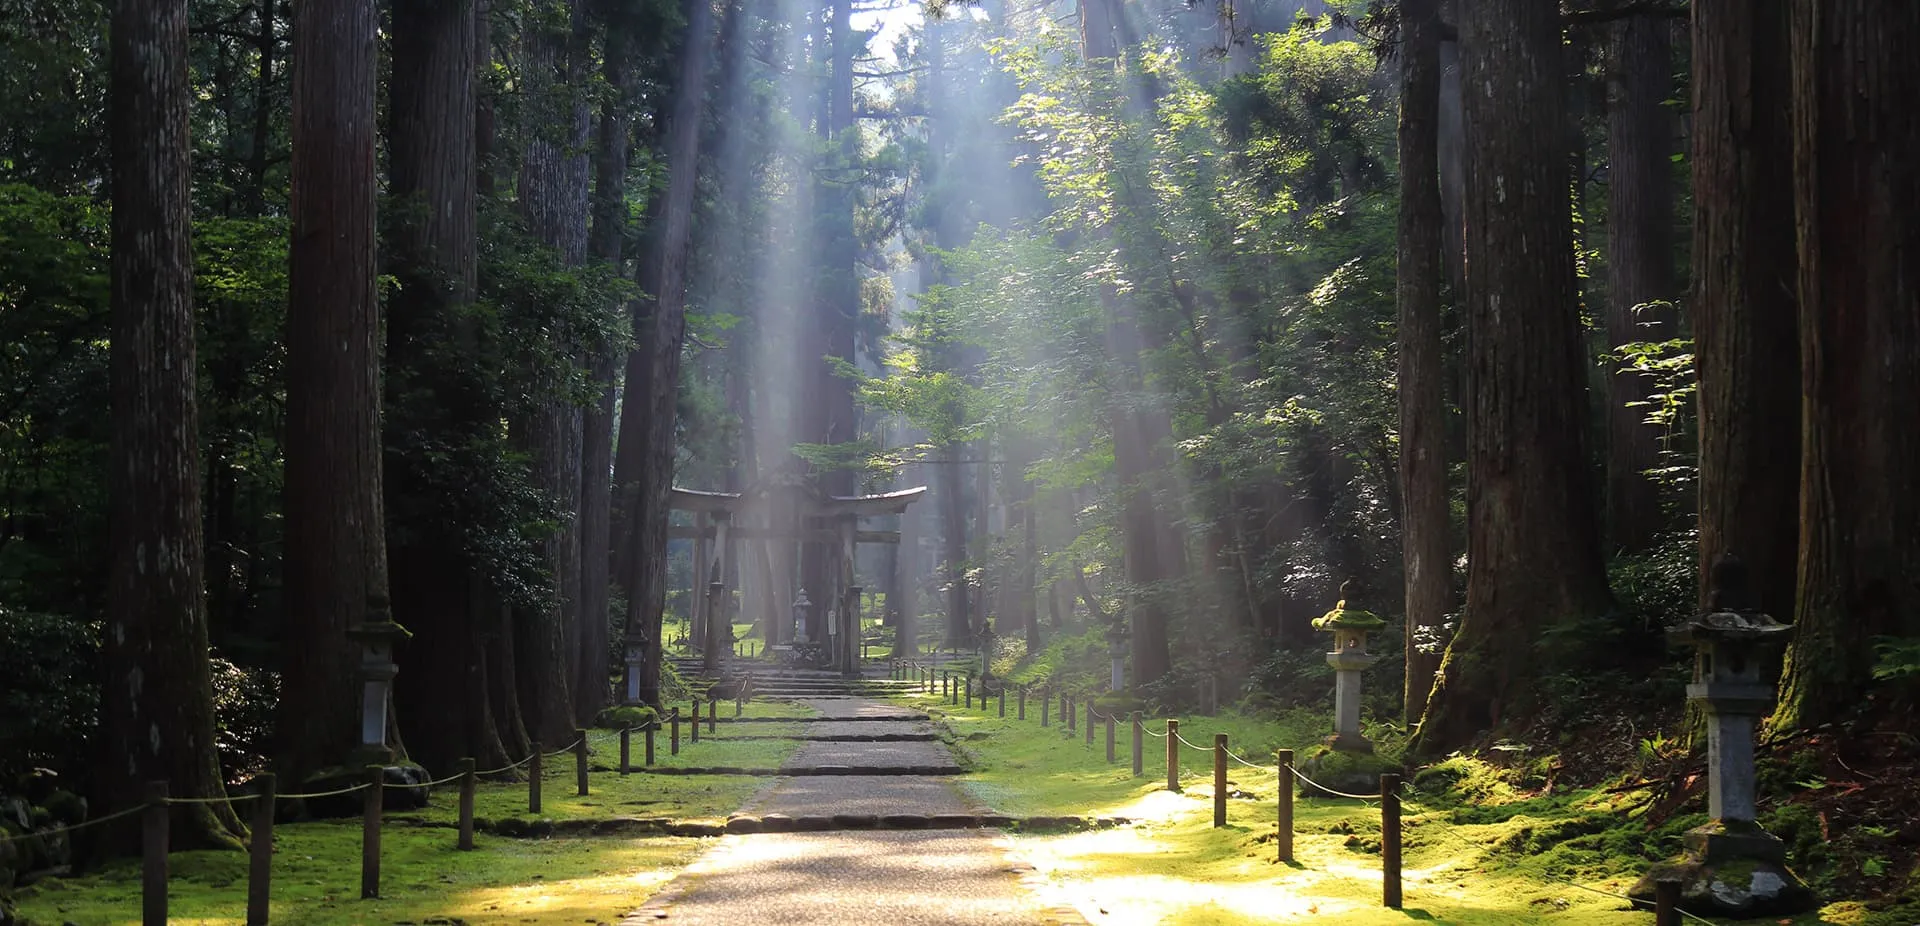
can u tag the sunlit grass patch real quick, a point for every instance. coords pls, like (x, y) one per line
(316, 880)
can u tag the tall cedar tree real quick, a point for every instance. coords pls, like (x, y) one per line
(438, 418)
(1147, 548)
(1533, 551)
(1640, 264)
(606, 241)
(1856, 139)
(336, 553)
(1744, 312)
(653, 369)
(156, 698)
(1425, 528)
(553, 198)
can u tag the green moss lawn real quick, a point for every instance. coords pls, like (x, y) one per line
(1476, 850)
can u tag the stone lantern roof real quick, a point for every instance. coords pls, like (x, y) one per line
(1345, 618)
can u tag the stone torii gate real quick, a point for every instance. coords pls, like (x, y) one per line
(785, 513)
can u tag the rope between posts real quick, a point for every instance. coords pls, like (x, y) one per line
(1321, 787)
(506, 768)
(212, 800)
(302, 797)
(77, 826)
(1244, 762)
(564, 749)
(456, 776)
(1191, 745)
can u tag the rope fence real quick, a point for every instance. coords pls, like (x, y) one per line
(952, 686)
(265, 798)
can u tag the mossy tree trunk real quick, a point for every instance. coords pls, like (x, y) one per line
(1533, 547)
(1856, 139)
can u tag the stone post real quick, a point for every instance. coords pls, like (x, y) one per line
(1730, 867)
(1349, 657)
(376, 636)
(636, 657)
(801, 607)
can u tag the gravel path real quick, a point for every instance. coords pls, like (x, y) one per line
(957, 877)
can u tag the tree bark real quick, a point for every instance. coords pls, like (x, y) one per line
(1856, 139)
(336, 557)
(553, 197)
(1640, 266)
(612, 160)
(1425, 508)
(1744, 310)
(438, 420)
(1533, 549)
(649, 411)
(156, 693)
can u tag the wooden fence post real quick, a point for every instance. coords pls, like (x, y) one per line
(653, 724)
(1283, 840)
(693, 734)
(580, 763)
(1139, 747)
(969, 690)
(673, 740)
(1066, 710)
(626, 748)
(467, 785)
(1089, 723)
(1111, 758)
(1003, 700)
(1666, 902)
(1023, 702)
(1219, 780)
(153, 856)
(1173, 755)
(533, 779)
(713, 716)
(370, 833)
(1390, 840)
(1046, 701)
(260, 853)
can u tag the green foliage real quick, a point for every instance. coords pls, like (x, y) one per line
(50, 702)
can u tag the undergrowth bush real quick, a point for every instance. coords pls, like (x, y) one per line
(49, 690)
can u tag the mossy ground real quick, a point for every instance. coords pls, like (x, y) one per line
(1477, 847)
(505, 880)
(316, 880)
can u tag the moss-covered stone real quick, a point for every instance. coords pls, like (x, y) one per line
(1349, 772)
(625, 716)
(1345, 618)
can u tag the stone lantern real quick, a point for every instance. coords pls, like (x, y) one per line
(376, 633)
(1349, 657)
(1731, 867)
(1116, 655)
(801, 607)
(635, 659)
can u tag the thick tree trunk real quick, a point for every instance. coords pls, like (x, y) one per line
(650, 408)
(156, 694)
(1640, 274)
(953, 535)
(1425, 507)
(1745, 314)
(434, 405)
(1856, 141)
(553, 197)
(336, 557)
(1533, 549)
(612, 154)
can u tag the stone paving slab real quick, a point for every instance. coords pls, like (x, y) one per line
(830, 795)
(948, 877)
(892, 754)
(841, 708)
(866, 728)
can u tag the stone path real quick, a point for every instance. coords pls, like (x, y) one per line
(960, 877)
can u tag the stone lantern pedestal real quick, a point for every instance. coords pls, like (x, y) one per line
(1731, 867)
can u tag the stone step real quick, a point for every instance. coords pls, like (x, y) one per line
(921, 771)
